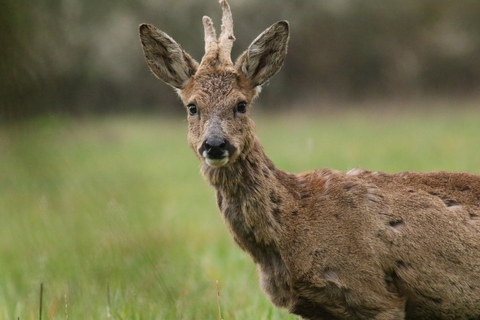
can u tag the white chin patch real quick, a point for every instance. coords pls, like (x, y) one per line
(216, 162)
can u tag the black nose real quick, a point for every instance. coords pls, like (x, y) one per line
(214, 148)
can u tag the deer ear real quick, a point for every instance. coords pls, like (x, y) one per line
(166, 58)
(265, 56)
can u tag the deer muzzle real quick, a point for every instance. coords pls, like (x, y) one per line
(216, 151)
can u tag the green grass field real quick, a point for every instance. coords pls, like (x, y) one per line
(113, 217)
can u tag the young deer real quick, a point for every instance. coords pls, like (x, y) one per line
(328, 244)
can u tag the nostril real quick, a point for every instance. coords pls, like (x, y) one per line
(215, 144)
(209, 146)
(214, 148)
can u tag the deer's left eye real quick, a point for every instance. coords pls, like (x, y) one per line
(192, 109)
(241, 107)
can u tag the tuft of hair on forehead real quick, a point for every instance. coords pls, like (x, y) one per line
(218, 50)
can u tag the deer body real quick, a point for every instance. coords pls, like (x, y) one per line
(357, 245)
(328, 244)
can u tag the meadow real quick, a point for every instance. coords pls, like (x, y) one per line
(111, 215)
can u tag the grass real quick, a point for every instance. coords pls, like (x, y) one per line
(112, 216)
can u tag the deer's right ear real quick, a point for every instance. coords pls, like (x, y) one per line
(265, 56)
(166, 58)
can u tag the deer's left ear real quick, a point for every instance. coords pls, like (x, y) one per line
(265, 56)
(166, 58)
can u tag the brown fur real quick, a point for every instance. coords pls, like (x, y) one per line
(328, 244)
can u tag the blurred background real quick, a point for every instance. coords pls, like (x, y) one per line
(100, 197)
(84, 56)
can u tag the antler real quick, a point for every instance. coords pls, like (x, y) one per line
(218, 51)
(211, 42)
(226, 36)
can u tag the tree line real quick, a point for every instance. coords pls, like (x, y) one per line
(84, 56)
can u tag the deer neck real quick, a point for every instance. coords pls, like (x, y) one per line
(250, 194)
(253, 196)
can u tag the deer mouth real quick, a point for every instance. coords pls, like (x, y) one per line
(217, 162)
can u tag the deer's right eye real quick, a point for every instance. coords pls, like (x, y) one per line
(241, 107)
(192, 109)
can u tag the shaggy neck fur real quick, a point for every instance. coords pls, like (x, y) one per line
(254, 219)
(241, 189)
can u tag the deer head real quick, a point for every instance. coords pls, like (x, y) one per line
(217, 93)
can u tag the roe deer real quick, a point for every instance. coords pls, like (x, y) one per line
(327, 244)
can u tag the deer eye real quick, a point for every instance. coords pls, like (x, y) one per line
(241, 107)
(192, 109)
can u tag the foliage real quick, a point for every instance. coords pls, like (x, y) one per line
(84, 56)
(112, 216)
